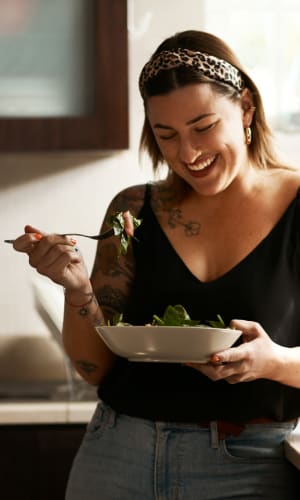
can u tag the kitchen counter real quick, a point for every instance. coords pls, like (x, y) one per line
(75, 412)
(292, 447)
(46, 412)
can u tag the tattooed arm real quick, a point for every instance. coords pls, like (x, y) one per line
(111, 282)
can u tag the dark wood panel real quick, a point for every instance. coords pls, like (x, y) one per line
(35, 460)
(107, 127)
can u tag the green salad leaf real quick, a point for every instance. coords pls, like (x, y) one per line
(217, 324)
(116, 222)
(174, 316)
(118, 321)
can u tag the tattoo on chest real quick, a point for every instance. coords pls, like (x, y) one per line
(175, 219)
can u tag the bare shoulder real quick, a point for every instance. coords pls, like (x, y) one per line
(290, 182)
(130, 198)
(284, 183)
(294, 178)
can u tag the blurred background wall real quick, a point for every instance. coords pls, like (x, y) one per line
(62, 192)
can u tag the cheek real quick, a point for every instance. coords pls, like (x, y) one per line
(233, 139)
(167, 149)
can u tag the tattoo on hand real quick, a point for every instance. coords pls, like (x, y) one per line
(86, 366)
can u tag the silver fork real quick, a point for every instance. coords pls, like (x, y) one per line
(102, 236)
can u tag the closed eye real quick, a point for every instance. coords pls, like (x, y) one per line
(167, 137)
(199, 130)
(208, 127)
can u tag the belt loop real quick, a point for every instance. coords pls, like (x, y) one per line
(111, 420)
(214, 434)
(109, 415)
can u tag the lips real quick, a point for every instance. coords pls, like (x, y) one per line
(200, 165)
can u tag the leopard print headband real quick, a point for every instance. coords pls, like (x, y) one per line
(210, 66)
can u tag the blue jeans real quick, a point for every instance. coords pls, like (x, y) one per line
(125, 458)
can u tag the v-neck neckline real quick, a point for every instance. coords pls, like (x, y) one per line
(243, 260)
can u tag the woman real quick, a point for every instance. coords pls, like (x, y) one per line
(220, 235)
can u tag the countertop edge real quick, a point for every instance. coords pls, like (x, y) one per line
(62, 412)
(80, 412)
(292, 447)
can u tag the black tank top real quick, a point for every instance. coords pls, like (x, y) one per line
(263, 287)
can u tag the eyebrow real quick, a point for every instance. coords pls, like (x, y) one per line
(189, 122)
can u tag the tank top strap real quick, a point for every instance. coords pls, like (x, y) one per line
(148, 190)
(146, 207)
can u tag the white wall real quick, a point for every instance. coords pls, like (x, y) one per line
(72, 191)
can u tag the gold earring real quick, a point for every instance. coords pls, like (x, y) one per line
(248, 134)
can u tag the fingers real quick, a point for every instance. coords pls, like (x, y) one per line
(53, 251)
(232, 355)
(41, 247)
(249, 328)
(128, 224)
(27, 242)
(56, 261)
(245, 362)
(31, 229)
(232, 373)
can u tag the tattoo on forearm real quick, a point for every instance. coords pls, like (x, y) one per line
(86, 366)
(109, 263)
(112, 300)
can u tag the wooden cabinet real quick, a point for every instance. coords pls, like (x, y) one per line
(35, 460)
(104, 125)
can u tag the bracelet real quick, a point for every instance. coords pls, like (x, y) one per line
(92, 295)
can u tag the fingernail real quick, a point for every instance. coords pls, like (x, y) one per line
(73, 241)
(215, 359)
(38, 236)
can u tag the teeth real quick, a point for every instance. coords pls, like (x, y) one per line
(201, 166)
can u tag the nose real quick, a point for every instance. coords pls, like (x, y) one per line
(188, 151)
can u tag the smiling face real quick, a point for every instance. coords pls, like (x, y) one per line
(200, 134)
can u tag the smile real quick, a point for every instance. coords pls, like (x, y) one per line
(201, 165)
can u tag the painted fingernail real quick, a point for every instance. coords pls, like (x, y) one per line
(73, 241)
(215, 359)
(38, 236)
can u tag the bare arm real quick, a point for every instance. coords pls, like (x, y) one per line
(111, 281)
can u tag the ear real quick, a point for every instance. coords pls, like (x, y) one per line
(247, 106)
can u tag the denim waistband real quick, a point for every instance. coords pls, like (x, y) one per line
(226, 428)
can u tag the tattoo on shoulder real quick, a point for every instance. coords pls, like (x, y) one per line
(86, 366)
(129, 199)
(162, 197)
(175, 218)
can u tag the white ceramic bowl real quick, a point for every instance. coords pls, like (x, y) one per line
(167, 343)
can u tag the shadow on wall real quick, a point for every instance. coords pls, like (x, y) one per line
(23, 168)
